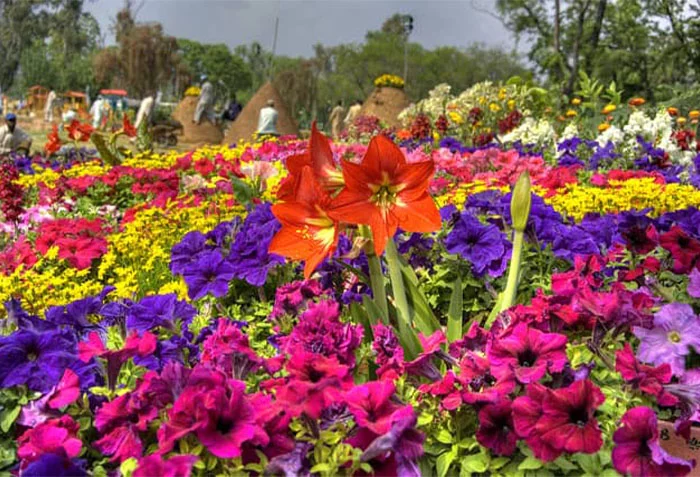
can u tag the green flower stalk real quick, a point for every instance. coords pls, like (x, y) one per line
(520, 203)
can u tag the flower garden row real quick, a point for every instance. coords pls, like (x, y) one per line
(297, 307)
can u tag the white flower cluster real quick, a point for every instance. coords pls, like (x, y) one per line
(540, 133)
(433, 105)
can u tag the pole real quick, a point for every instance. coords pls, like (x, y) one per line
(405, 59)
(274, 43)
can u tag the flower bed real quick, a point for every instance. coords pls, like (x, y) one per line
(293, 307)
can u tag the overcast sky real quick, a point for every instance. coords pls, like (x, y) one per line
(304, 23)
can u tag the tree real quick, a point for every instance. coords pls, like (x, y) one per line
(217, 62)
(145, 59)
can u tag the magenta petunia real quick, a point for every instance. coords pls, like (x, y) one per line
(55, 436)
(568, 422)
(176, 466)
(496, 430)
(479, 385)
(372, 406)
(527, 412)
(646, 378)
(388, 351)
(527, 353)
(637, 451)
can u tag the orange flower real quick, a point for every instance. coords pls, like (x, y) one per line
(79, 132)
(672, 111)
(634, 102)
(385, 192)
(603, 127)
(694, 114)
(54, 143)
(128, 128)
(319, 157)
(307, 232)
(609, 108)
(403, 134)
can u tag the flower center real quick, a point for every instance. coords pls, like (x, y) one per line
(527, 358)
(31, 356)
(224, 425)
(674, 337)
(578, 417)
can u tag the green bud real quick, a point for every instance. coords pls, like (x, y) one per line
(520, 202)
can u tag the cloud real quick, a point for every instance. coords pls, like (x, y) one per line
(305, 23)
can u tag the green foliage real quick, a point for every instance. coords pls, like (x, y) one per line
(217, 62)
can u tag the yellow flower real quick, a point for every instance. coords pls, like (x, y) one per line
(609, 108)
(494, 107)
(694, 114)
(193, 91)
(456, 117)
(571, 113)
(511, 104)
(603, 127)
(502, 94)
(576, 101)
(391, 81)
(681, 120)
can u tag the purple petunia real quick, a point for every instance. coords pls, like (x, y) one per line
(159, 310)
(676, 329)
(485, 246)
(209, 274)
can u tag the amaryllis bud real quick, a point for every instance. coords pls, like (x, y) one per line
(520, 202)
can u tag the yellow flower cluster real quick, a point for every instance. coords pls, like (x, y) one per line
(391, 81)
(578, 200)
(458, 195)
(193, 91)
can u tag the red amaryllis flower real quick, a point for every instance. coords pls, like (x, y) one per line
(637, 451)
(385, 192)
(320, 158)
(568, 423)
(307, 233)
(684, 249)
(527, 412)
(54, 142)
(79, 132)
(646, 378)
(128, 128)
(527, 353)
(496, 429)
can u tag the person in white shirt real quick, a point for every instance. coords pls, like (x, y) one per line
(267, 121)
(205, 105)
(96, 111)
(145, 111)
(353, 112)
(48, 109)
(13, 138)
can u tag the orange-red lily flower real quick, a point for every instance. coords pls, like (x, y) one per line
(128, 128)
(385, 193)
(79, 132)
(307, 233)
(54, 142)
(320, 158)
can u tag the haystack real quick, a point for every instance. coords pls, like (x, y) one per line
(204, 133)
(246, 124)
(386, 103)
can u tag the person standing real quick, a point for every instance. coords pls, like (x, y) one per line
(145, 111)
(13, 138)
(337, 115)
(96, 111)
(267, 121)
(205, 105)
(48, 108)
(353, 112)
(233, 110)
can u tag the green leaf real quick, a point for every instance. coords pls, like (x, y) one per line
(475, 463)
(128, 467)
(322, 467)
(374, 314)
(444, 436)
(9, 417)
(105, 151)
(530, 463)
(454, 315)
(588, 463)
(564, 464)
(423, 317)
(498, 462)
(444, 461)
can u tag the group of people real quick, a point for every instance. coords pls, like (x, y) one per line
(339, 120)
(205, 105)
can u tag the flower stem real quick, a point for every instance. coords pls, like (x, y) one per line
(407, 335)
(511, 290)
(377, 282)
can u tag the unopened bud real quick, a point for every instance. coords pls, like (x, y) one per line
(520, 202)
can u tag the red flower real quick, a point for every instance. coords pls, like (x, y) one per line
(684, 249)
(79, 132)
(56, 436)
(637, 451)
(527, 353)
(128, 128)
(496, 430)
(54, 142)
(386, 193)
(646, 378)
(568, 423)
(527, 412)
(307, 233)
(319, 157)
